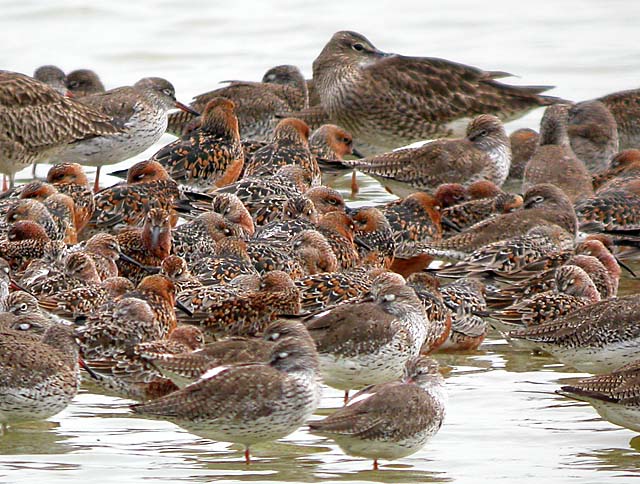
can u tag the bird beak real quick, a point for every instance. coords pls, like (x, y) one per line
(86, 367)
(186, 108)
(150, 269)
(356, 153)
(183, 308)
(625, 267)
(14, 286)
(155, 235)
(445, 222)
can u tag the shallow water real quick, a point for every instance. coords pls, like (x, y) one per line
(503, 421)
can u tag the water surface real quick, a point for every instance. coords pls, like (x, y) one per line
(503, 423)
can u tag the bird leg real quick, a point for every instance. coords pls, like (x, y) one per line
(96, 184)
(375, 464)
(346, 396)
(354, 184)
(247, 456)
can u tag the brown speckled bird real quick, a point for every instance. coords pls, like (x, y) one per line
(40, 377)
(331, 142)
(544, 204)
(554, 160)
(524, 143)
(38, 122)
(375, 237)
(234, 212)
(79, 270)
(625, 108)
(282, 89)
(83, 82)
(415, 218)
(593, 133)
(148, 185)
(210, 155)
(390, 100)
(26, 241)
(148, 245)
(483, 154)
(614, 395)
(31, 209)
(250, 314)
(229, 260)
(85, 300)
(465, 298)
(466, 214)
(623, 164)
(198, 237)
(427, 288)
(290, 146)
(139, 111)
(573, 289)
(70, 179)
(128, 374)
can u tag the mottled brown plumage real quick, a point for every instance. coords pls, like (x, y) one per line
(625, 108)
(148, 185)
(70, 179)
(148, 245)
(210, 155)
(290, 146)
(554, 161)
(593, 133)
(483, 154)
(282, 89)
(38, 122)
(389, 100)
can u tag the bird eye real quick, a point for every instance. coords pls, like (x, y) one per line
(73, 84)
(23, 307)
(167, 92)
(539, 199)
(24, 327)
(283, 355)
(389, 297)
(309, 213)
(358, 47)
(483, 133)
(274, 336)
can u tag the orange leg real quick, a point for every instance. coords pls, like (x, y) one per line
(375, 464)
(354, 184)
(346, 396)
(4, 183)
(247, 456)
(96, 184)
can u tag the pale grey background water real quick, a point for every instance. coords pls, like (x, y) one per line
(503, 423)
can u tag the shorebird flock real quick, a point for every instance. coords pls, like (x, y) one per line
(222, 284)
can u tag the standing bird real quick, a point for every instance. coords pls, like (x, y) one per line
(39, 124)
(614, 395)
(593, 133)
(484, 154)
(390, 100)
(554, 161)
(38, 378)
(390, 420)
(290, 146)
(210, 155)
(247, 403)
(139, 111)
(283, 88)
